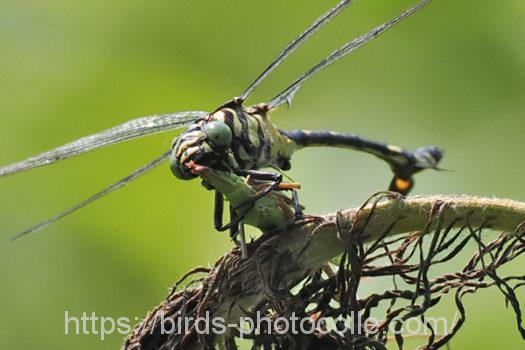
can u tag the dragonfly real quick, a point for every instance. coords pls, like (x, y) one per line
(241, 141)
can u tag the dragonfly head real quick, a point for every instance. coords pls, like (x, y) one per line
(203, 143)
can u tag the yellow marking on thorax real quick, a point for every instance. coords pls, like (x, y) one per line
(242, 154)
(221, 116)
(237, 126)
(253, 128)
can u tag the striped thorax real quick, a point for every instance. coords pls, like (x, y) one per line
(232, 137)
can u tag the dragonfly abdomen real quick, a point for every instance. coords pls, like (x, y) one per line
(403, 163)
(305, 138)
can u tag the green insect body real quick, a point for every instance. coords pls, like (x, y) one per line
(268, 213)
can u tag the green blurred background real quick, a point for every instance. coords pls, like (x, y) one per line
(453, 76)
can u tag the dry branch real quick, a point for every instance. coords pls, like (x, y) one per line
(282, 259)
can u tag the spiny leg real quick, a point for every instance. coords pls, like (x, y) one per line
(276, 180)
(237, 214)
(260, 175)
(218, 213)
(235, 219)
(277, 185)
(298, 212)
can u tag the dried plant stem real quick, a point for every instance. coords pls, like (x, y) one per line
(410, 215)
(282, 260)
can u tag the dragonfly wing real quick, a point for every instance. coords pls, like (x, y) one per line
(125, 131)
(298, 41)
(287, 95)
(140, 171)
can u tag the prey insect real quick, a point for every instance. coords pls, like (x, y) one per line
(237, 141)
(257, 203)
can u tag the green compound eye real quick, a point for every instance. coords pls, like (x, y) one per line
(218, 133)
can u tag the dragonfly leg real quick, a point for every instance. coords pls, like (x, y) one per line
(276, 186)
(272, 182)
(235, 218)
(251, 201)
(298, 212)
(260, 175)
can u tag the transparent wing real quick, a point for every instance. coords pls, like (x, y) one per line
(298, 41)
(126, 131)
(141, 171)
(287, 95)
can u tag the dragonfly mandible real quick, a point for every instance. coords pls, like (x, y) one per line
(242, 140)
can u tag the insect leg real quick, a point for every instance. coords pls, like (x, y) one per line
(237, 230)
(218, 212)
(235, 218)
(251, 201)
(235, 226)
(242, 241)
(298, 212)
(260, 175)
(242, 203)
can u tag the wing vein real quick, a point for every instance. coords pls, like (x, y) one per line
(122, 182)
(287, 95)
(131, 129)
(294, 44)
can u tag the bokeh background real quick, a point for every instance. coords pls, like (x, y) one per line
(453, 75)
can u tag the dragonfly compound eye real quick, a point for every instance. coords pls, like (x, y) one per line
(179, 170)
(218, 133)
